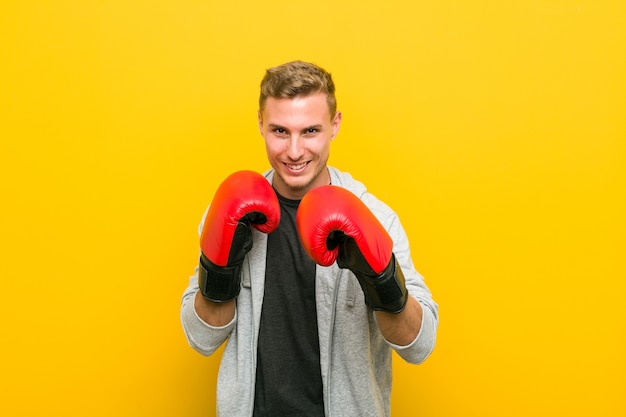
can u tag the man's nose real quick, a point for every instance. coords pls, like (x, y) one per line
(295, 149)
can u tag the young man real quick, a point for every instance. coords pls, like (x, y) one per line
(307, 276)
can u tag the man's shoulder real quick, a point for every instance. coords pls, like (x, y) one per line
(347, 181)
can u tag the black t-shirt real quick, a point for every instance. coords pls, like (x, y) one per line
(288, 377)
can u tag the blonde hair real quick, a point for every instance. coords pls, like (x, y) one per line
(298, 79)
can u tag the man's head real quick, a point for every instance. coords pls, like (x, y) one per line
(298, 119)
(298, 79)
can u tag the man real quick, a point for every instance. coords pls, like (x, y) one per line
(307, 276)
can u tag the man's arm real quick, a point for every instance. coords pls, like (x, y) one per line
(334, 225)
(243, 201)
(214, 314)
(201, 330)
(401, 328)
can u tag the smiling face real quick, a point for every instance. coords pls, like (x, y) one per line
(297, 133)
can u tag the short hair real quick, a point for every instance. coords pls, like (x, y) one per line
(298, 79)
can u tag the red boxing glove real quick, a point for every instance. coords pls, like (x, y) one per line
(243, 200)
(335, 225)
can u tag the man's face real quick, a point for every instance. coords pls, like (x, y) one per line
(297, 133)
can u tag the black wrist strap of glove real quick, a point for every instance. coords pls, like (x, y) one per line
(218, 283)
(386, 291)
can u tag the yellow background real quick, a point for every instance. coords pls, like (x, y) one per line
(497, 130)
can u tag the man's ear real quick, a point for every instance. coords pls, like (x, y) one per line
(336, 123)
(260, 119)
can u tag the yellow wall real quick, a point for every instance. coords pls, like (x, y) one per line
(497, 130)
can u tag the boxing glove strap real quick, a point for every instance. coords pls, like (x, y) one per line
(218, 283)
(386, 291)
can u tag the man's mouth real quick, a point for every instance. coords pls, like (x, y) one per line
(296, 167)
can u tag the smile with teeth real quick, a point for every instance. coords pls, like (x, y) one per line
(297, 167)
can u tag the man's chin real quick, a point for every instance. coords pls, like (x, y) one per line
(297, 187)
(291, 185)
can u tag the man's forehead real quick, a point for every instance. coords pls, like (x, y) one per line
(301, 106)
(299, 100)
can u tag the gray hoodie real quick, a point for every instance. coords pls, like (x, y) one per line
(355, 359)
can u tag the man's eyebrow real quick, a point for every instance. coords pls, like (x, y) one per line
(276, 126)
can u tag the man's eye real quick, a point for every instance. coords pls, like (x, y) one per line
(311, 130)
(280, 131)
